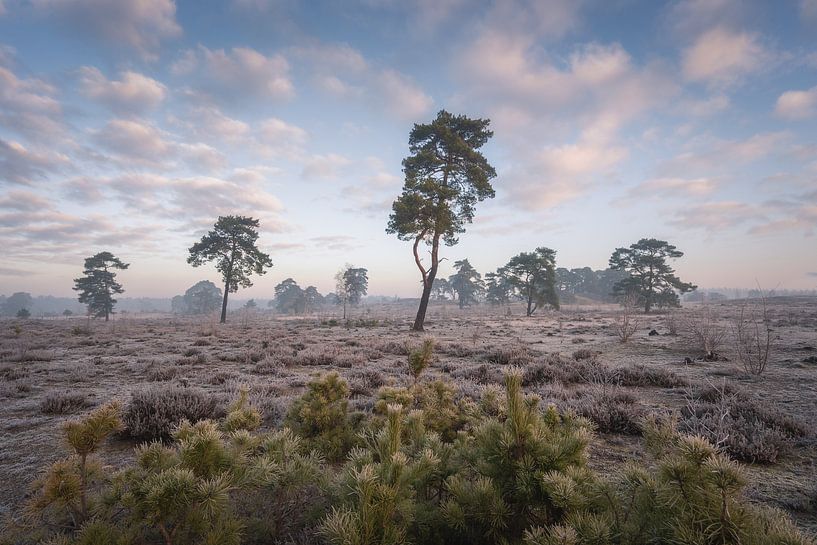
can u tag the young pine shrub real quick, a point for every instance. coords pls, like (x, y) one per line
(62, 495)
(183, 493)
(419, 359)
(694, 495)
(525, 471)
(321, 416)
(240, 415)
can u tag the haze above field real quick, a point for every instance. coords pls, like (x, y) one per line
(130, 127)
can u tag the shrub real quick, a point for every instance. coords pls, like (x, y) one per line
(420, 358)
(741, 425)
(703, 329)
(153, 413)
(321, 416)
(519, 355)
(611, 410)
(241, 416)
(64, 403)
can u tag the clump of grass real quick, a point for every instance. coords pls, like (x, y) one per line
(64, 403)
(154, 412)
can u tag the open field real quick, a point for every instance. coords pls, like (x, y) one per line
(572, 359)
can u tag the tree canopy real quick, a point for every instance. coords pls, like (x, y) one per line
(351, 284)
(232, 244)
(466, 283)
(533, 275)
(289, 297)
(98, 285)
(651, 279)
(201, 298)
(445, 176)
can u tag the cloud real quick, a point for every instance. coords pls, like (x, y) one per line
(238, 72)
(808, 10)
(672, 187)
(134, 139)
(797, 104)
(716, 216)
(141, 25)
(132, 93)
(21, 166)
(723, 156)
(327, 166)
(560, 173)
(279, 138)
(402, 96)
(721, 56)
(28, 105)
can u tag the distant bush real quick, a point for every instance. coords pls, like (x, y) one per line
(611, 410)
(153, 413)
(64, 403)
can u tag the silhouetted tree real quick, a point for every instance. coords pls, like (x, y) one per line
(466, 282)
(289, 297)
(23, 313)
(16, 302)
(232, 245)
(201, 298)
(98, 286)
(533, 274)
(312, 299)
(651, 279)
(445, 176)
(251, 304)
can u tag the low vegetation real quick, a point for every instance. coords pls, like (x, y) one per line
(512, 473)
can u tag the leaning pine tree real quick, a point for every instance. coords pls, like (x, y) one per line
(98, 286)
(232, 245)
(446, 175)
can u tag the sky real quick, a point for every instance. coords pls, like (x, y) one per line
(131, 126)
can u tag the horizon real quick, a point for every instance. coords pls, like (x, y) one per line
(131, 128)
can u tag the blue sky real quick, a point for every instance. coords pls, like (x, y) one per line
(130, 126)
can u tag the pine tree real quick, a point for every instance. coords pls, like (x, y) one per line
(98, 286)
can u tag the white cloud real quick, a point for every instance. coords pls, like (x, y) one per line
(716, 216)
(238, 72)
(402, 96)
(19, 165)
(133, 139)
(279, 138)
(139, 24)
(797, 104)
(327, 166)
(132, 93)
(560, 173)
(672, 187)
(721, 56)
(28, 105)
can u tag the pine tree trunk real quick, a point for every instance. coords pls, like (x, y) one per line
(224, 302)
(428, 280)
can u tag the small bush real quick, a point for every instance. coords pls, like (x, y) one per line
(744, 427)
(64, 403)
(518, 356)
(153, 413)
(420, 358)
(321, 416)
(612, 411)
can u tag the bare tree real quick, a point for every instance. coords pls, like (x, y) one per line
(753, 337)
(703, 329)
(626, 322)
